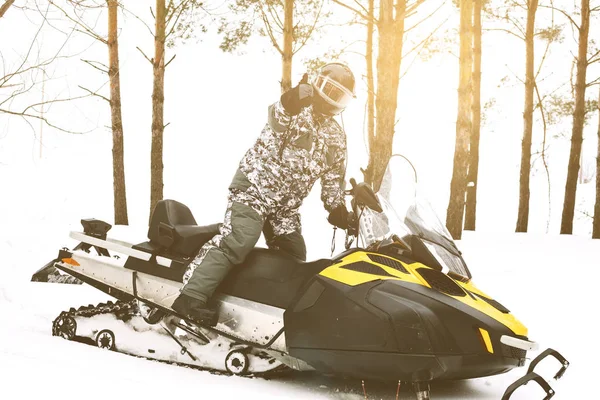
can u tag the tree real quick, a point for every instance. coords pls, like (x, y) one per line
(456, 203)
(391, 31)
(119, 191)
(158, 104)
(566, 226)
(370, 74)
(473, 170)
(523, 213)
(511, 14)
(80, 8)
(596, 223)
(288, 24)
(175, 20)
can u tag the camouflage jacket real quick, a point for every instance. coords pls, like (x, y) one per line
(291, 153)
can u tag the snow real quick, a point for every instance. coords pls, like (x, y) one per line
(548, 282)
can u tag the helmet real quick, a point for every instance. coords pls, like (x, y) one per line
(334, 88)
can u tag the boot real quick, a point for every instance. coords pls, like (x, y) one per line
(194, 310)
(151, 315)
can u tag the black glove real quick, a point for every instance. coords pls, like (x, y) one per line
(295, 99)
(340, 217)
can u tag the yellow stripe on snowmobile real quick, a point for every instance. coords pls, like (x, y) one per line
(355, 278)
(486, 339)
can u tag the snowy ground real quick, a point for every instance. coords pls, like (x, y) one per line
(548, 283)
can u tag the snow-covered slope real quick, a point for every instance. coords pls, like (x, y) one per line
(548, 282)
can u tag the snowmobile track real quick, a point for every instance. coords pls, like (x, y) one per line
(65, 326)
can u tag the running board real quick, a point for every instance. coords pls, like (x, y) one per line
(241, 320)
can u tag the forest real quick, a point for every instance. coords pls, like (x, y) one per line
(531, 63)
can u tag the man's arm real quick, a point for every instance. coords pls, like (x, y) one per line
(279, 119)
(333, 181)
(291, 103)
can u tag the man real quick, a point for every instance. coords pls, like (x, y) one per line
(300, 143)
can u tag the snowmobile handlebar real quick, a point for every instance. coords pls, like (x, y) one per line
(363, 196)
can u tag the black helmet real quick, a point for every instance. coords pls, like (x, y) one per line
(334, 88)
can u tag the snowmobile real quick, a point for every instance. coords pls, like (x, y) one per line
(399, 305)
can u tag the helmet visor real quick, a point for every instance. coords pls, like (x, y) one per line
(334, 93)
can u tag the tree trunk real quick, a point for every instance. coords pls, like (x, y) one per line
(158, 100)
(596, 223)
(4, 7)
(523, 213)
(471, 205)
(288, 41)
(391, 40)
(120, 198)
(370, 76)
(566, 225)
(456, 203)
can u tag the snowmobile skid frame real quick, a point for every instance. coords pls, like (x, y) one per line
(237, 358)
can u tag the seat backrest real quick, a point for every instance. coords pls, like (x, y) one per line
(170, 212)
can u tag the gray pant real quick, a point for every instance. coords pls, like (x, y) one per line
(246, 217)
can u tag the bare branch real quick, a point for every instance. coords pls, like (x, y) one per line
(542, 63)
(563, 12)
(169, 62)
(141, 20)
(91, 64)
(594, 82)
(40, 118)
(541, 105)
(424, 19)
(145, 56)
(312, 29)
(53, 101)
(361, 6)
(86, 29)
(270, 31)
(19, 70)
(275, 16)
(421, 44)
(505, 31)
(91, 93)
(354, 10)
(5, 7)
(594, 57)
(517, 25)
(410, 9)
(168, 21)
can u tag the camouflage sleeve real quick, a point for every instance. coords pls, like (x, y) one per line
(279, 119)
(333, 181)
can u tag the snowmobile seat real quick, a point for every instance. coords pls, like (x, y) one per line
(173, 227)
(270, 277)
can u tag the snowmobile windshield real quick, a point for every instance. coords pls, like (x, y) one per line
(406, 213)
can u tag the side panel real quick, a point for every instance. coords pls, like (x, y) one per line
(331, 315)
